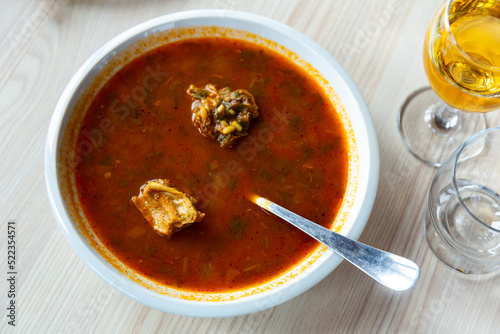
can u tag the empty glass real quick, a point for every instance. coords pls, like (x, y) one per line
(462, 222)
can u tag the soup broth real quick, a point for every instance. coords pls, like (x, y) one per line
(296, 154)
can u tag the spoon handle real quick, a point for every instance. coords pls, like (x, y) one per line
(392, 271)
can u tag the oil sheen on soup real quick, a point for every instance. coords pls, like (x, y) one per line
(295, 154)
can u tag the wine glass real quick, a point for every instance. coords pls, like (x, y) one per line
(462, 64)
(462, 221)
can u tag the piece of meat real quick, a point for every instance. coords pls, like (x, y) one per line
(223, 115)
(166, 208)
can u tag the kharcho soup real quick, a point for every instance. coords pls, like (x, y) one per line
(295, 153)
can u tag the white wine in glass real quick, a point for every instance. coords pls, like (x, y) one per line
(462, 64)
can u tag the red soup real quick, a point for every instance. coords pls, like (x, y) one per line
(295, 154)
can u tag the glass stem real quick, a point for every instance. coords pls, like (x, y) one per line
(446, 117)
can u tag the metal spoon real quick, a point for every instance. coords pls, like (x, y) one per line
(393, 271)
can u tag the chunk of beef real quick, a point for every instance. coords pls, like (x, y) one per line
(223, 115)
(166, 208)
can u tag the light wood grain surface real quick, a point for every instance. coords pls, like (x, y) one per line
(378, 42)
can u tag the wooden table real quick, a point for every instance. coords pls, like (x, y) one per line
(380, 45)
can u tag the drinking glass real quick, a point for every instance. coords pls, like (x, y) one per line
(462, 221)
(462, 64)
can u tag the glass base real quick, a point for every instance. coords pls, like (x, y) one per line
(425, 135)
(450, 256)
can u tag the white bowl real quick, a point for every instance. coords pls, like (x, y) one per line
(364, 167)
